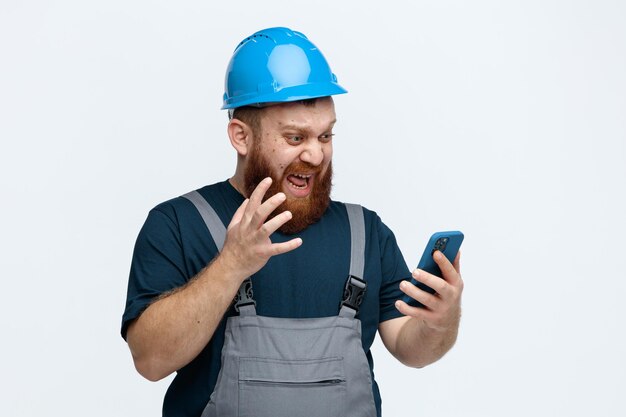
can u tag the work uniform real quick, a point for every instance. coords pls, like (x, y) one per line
(174, 245)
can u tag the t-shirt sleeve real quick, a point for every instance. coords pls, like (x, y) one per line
(157, 265)
(394, 270)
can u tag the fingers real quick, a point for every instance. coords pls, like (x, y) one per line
(440, 310)
(273, 224)
(417, 312)
(427, 299)
(248, 237)
(280, 248)
(439, 285)
(257, 196)
(432, 319)
(261, 213)
(257, 211)
(449, 272)
(239, 213)
(457, 262)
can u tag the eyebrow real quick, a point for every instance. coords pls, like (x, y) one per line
(303, 127)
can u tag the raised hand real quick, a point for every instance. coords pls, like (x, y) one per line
(248, 247)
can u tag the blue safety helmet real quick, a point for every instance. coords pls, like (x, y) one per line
(277, 65)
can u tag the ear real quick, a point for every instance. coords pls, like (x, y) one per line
(240, 136)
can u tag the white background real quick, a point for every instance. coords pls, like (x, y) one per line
(504, 119)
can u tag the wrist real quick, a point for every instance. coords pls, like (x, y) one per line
(228, 268)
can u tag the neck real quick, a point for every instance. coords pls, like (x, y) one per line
(237, 182)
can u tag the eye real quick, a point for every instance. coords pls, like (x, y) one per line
(327, 137)
(295, 139)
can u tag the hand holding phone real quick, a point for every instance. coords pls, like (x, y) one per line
(447, 243)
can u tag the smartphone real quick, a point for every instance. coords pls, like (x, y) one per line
(447, 243)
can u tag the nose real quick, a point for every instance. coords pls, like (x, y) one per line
(313, 153)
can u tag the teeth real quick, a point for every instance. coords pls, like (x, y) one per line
(303, 177)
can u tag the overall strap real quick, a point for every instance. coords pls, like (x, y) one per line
(213, 222)
(354, 290)
(244, 303)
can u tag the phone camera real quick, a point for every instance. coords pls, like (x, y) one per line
(440, 244)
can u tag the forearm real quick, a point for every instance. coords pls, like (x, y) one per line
(419, 345)
(172, 331)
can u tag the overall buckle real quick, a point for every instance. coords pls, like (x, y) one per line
(353, 293)
(244, 295)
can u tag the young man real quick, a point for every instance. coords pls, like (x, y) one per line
(326, 275)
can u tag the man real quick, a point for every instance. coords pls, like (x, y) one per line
(307, 352)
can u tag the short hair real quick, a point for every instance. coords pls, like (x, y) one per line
(251, 115)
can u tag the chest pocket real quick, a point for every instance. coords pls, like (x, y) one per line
(308, 387)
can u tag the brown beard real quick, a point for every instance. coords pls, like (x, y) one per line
(306, 210)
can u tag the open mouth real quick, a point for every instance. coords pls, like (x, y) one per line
(299, 185)
(299, 181)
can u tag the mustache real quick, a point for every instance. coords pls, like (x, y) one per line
(301, 166)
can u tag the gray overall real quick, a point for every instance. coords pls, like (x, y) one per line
(282, 367)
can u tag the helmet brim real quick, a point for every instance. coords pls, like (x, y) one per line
(286, 95)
